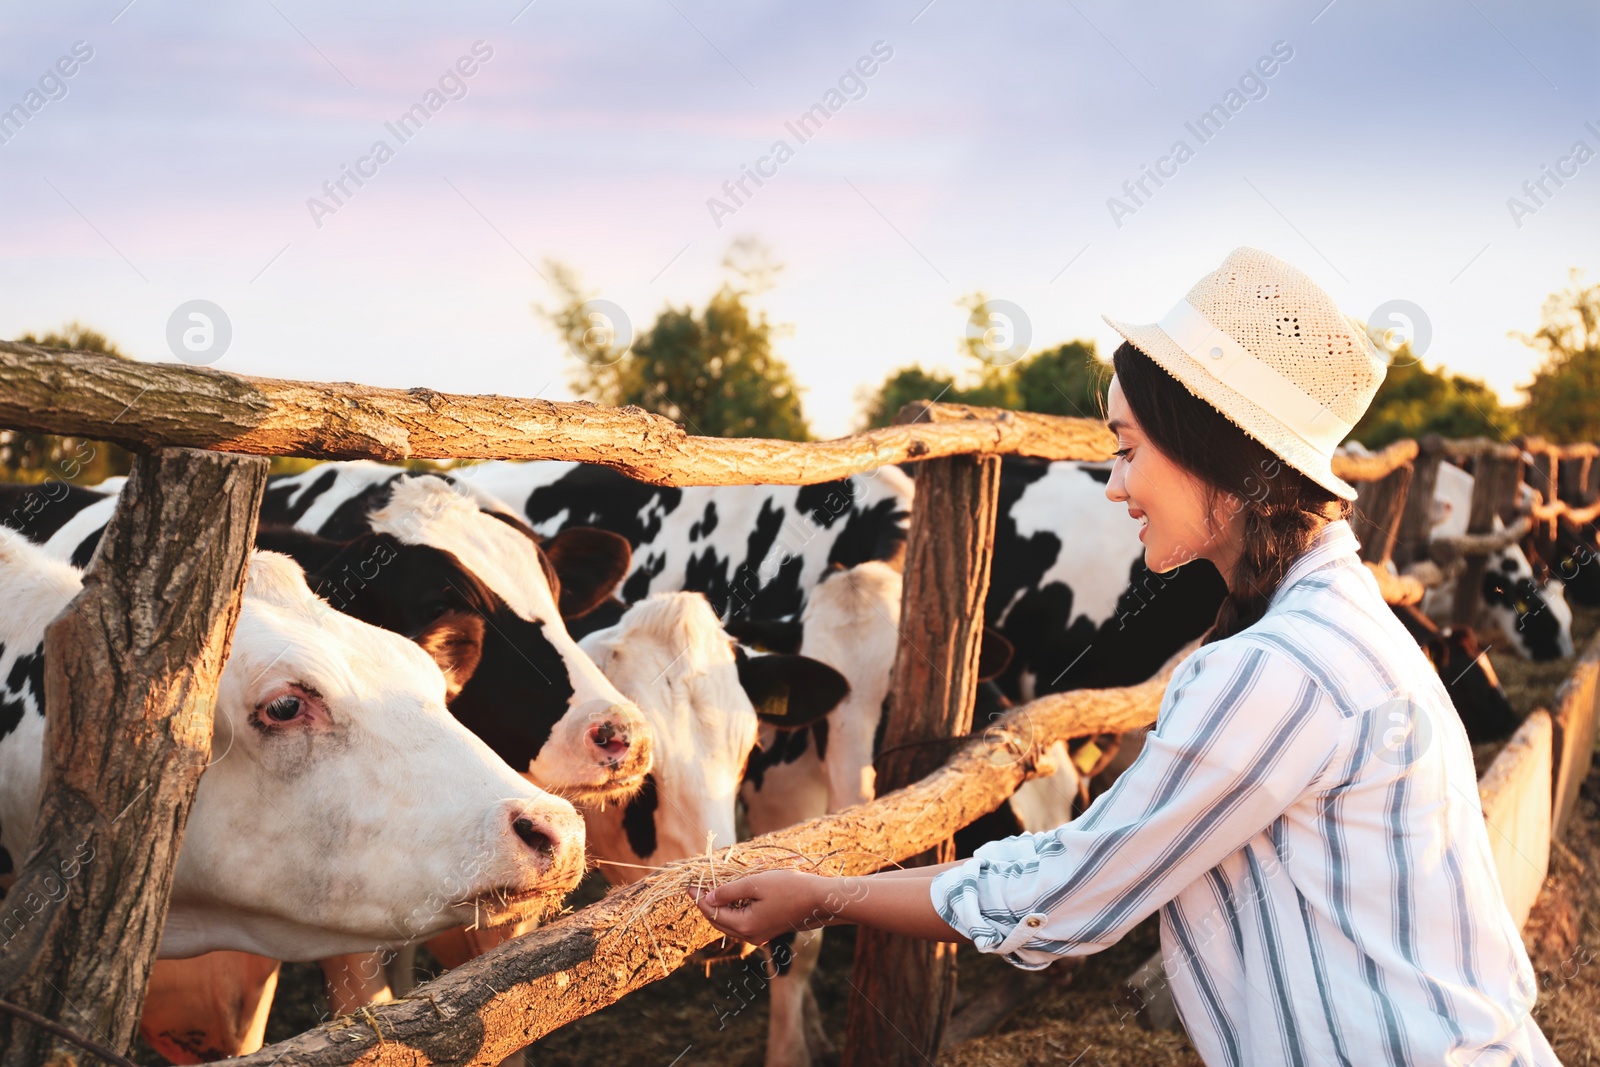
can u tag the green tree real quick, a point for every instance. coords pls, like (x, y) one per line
(714, 370)
(1066, 380)
(38, 457)
(1414, 400)
(1564, 396)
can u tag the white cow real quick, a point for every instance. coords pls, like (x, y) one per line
(710, 704)
(333, 755)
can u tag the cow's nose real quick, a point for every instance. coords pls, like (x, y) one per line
(619, 737)
(549, 840)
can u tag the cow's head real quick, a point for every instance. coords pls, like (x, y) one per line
(709, 703)
(343, 808)
(1537, 622)
(484, 600)
(1468, 676)
(1576, 563)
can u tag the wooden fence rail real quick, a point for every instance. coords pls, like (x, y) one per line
(146, 405)
(488, 1008)
(149, 405)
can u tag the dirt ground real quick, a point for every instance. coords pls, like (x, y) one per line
(1080, 1016)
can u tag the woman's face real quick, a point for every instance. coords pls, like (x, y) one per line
(1168, 500)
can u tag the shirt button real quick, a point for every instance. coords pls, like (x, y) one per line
(1035, 922)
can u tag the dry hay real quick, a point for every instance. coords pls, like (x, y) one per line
(1563, 936)
(1086, 1015)
(740, 861)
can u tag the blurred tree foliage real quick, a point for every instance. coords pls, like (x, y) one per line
(714, 370)
(1066, 380)
(30, 458)
(1564, 396)
(1414, 400)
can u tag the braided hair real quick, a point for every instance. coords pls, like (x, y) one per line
(1282, 508)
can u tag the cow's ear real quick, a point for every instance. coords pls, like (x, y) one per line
(994, 655)
(455, 641)
(790, 691)
(589, 562)
(767, 635)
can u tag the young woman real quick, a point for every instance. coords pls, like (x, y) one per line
(1305, 812)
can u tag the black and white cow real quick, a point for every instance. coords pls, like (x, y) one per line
(476, 589)
(712, 706)
(1575, 562)
(1072, 594)
(1533, 618)
(714, 709)
(754, 551)
(1069, 588)
(333, 754)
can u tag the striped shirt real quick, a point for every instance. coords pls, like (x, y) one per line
(1305, 814)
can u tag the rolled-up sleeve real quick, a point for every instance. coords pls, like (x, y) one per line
(1243, 732)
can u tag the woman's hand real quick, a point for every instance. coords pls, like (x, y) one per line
(759, 908)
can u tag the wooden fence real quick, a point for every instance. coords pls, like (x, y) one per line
(502, 1001)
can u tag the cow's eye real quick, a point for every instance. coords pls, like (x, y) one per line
(284, 709)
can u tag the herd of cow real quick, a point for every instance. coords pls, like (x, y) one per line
(450, 694)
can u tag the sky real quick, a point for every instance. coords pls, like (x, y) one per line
(193, 154)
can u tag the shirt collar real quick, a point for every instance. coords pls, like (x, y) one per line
(1333, 542)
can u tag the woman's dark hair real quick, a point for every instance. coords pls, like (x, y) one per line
(1282, 508)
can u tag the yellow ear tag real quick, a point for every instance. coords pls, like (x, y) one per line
(1086, 757)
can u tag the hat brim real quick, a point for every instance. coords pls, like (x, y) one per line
(1244, 413)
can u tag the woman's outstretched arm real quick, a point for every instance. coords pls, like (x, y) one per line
(777, 902)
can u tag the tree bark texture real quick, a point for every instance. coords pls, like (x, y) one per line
(904, 988)
(131, 669)
(147, 405)
(1379, 507)
(1494, 493)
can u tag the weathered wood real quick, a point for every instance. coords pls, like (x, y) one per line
(513, 995)
(1572, 479)
(1539, 468)
(1444, 549)
(1397, 589)
(1463, 449)
(131, 670)
(1585, 449)
(1416, 522)
(154, 404)
(1380, 504)
(904, 988)
(1380, 464)
(1494, 491)
(1572, 746)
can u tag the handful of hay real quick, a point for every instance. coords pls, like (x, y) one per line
(740, 861)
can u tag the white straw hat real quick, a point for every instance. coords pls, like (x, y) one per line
(1263, 344)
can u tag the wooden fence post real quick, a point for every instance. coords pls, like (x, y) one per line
(1380, 507)
(1494, 494)
(131, 671)
(1572, 479)
(1540, 469)
(904, 988)
(1416, 522)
